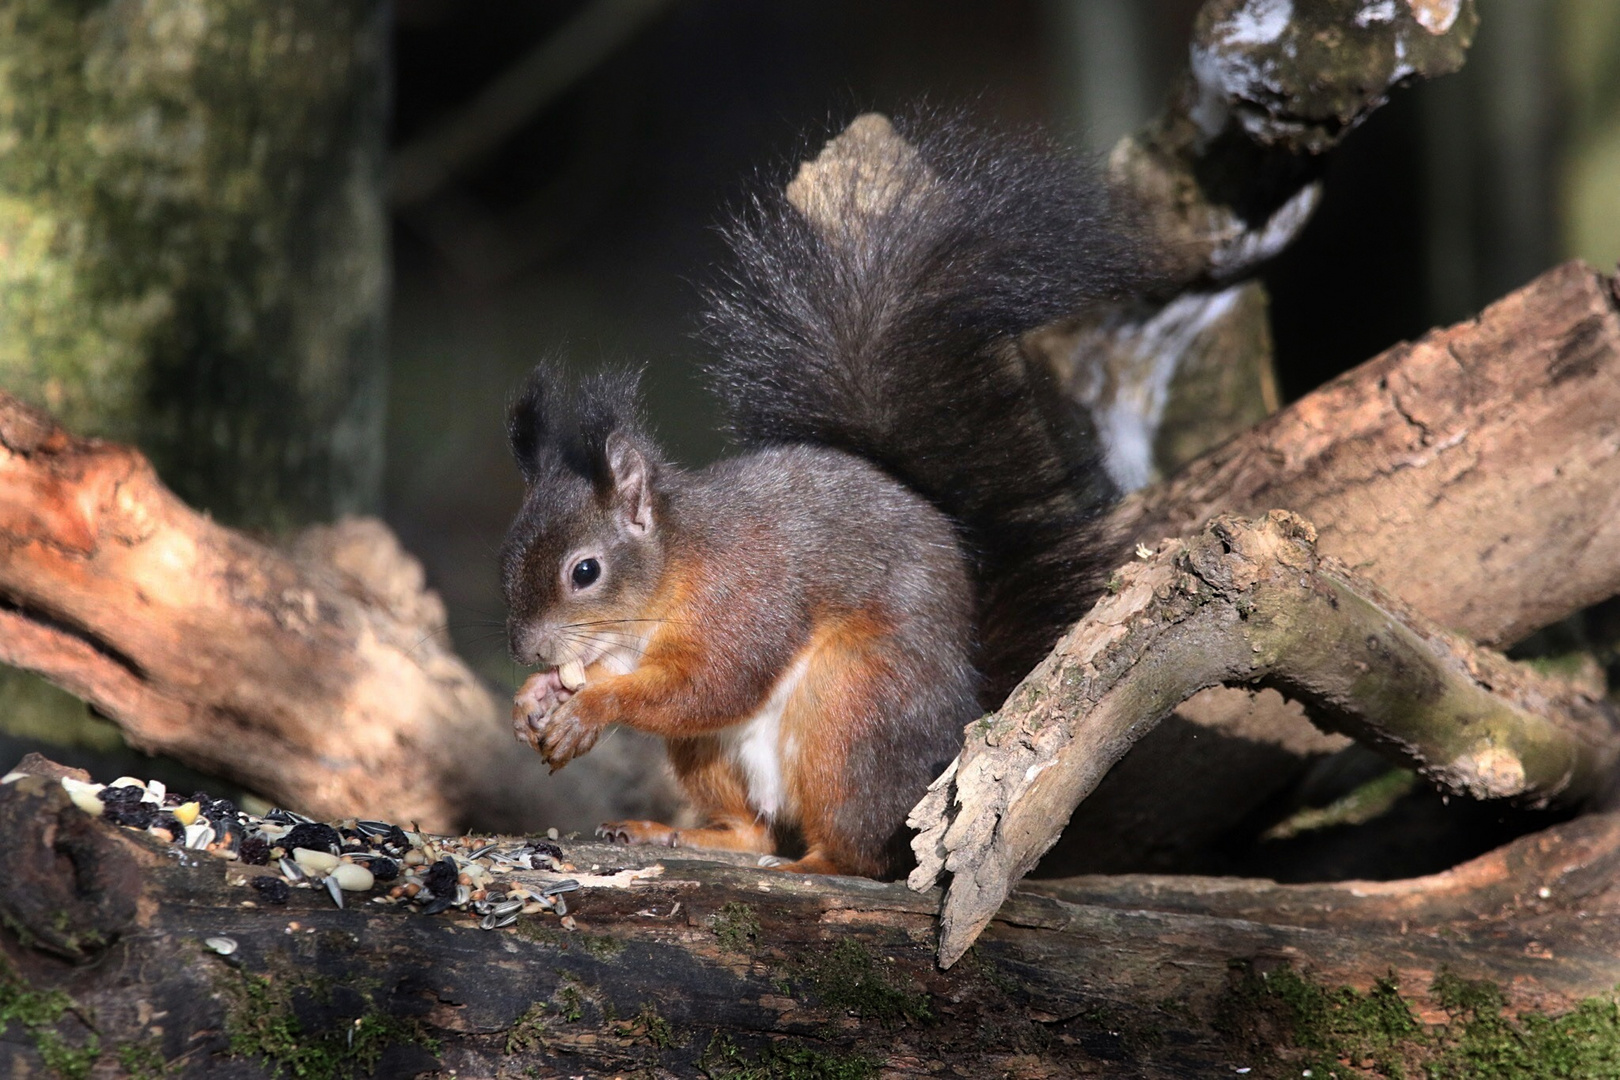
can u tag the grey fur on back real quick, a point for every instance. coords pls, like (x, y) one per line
(889, 328)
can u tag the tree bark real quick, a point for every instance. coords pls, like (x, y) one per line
(1472, 473)
(1223, 180)
(191, 211)
(322, 684)
(718, 967)
(1243, 604)
(1491, 439)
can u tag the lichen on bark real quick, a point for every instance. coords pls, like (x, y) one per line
(192, 240)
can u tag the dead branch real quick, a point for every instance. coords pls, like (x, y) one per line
(326, 683)
(1242, 604)
(1472, 473)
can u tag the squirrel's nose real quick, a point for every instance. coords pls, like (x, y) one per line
(529, 644)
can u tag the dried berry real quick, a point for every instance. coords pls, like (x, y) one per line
(122, 798)
(137, 815)
(315, 836)
(384, 869)
(272, 890)
(255, 851)
(441, 879)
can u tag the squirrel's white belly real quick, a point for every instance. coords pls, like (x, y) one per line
(756, 745)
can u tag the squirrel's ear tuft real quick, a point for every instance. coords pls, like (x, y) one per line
(527, 425)
(631, 495)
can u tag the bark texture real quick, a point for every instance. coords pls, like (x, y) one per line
(191, 216)
(1242, 604)
(1223, 180)
(1474, 473)
(325, 682)
(722, 969)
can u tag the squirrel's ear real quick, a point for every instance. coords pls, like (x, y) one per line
(526, 422)
(631, 498)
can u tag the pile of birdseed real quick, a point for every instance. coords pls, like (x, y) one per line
(429, 873)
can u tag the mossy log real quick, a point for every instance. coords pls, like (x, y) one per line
(719, 968)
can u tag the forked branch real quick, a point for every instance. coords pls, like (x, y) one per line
(1251, 604)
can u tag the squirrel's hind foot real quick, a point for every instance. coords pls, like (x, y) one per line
(638, 832)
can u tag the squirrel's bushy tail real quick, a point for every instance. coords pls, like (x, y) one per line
(876, 308)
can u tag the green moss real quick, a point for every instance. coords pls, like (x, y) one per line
(736, 927)
(649, 1025)
(570, 998)
(975, 963)
(68, 1062)
(723, 1060)
(1343, 1033)
(1479, 1043)
(601, 946)
(142, 1061)
(40, 1012)
(848, 977)
(261, 1024)
(529, 1031)
(1334, 1025)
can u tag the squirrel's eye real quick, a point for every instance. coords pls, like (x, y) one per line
(585, 573)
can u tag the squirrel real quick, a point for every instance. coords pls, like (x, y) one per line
(912, 523)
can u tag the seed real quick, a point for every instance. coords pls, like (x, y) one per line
(352, 877)
(86, 800)
(314, 862)
(186, 813)
(222, 945)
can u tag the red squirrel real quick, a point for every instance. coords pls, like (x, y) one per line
(911, 523)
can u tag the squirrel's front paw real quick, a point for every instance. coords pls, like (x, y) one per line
(541, 695)
(566, 734)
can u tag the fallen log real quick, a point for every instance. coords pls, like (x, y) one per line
(160, 959)
(1474, 473)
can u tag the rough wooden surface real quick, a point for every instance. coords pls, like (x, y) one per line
(716, 967)
(301, 680)
(1244, 603)
(1474, 473)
